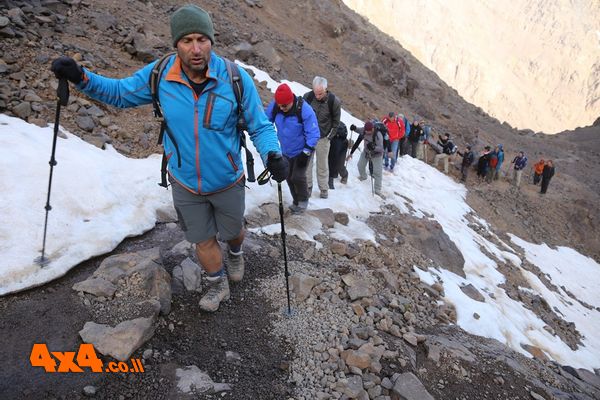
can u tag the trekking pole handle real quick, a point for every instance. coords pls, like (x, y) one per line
(62, 92)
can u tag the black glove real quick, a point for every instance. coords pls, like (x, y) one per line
(302, 160)
(277, 166)
(66, 68)
(352, 127)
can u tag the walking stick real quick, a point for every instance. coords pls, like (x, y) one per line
(371, 173)
(285, 261)
(62, 98)
(348, 150)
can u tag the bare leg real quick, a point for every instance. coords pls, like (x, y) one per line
(209, 255)
(237, 242)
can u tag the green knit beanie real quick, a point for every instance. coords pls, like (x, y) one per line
(191, 19)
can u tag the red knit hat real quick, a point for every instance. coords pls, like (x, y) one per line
(369, 126)
(283, 94)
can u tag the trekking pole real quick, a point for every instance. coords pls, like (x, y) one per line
(62, 98)
(371, 173)
(348, 150)
(285, 261)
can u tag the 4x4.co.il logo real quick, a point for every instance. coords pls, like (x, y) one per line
(86, 358)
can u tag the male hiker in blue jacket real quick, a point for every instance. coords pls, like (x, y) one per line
(203, 146)
(298, 132)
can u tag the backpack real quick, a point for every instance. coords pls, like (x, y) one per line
(310, 97)
(342, 131)
(277, 110)
(380, 127)
(493, 160)
(453, 148)
(238, 90)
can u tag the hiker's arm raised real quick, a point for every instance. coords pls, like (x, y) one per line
(126, 92)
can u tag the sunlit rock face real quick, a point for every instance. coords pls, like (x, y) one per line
(532, 63)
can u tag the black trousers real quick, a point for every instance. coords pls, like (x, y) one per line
(402, 146)
(337, 157)
(296, 180)
(413, 148)
(545, 183)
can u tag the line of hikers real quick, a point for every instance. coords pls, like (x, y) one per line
(489, 167)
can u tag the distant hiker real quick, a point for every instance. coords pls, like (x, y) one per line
(448, 148)
(337, 155)
(202, 142)
(547, 174)
(500, 157)
(493, 163)
(403, 146)
(467, 161)
(395, 127)
(416, 131)
(538, 168)
(483, 163)
(372, 153)
(328, 109)
(423, 140)
(298, 133)
(520, 162)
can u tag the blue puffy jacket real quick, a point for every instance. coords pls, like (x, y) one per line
(500, 158)
(204, 126)
(293, 136)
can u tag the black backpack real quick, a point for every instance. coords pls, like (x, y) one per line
(235, 81)
(310, 97)
(342, 131)
(276, 110)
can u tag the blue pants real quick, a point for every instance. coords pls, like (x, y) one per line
(391, 161)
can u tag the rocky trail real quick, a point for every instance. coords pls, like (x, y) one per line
(363, 326)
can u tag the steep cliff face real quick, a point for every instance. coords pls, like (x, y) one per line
(534, 64)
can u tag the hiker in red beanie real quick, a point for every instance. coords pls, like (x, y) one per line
(298, 133)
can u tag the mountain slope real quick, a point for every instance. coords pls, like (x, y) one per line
(534, 64)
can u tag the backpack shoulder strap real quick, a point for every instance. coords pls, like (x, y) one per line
(235, 79)
(330, 102)
(299, 104)
(275, 111)
(238, 90)
(154, 83)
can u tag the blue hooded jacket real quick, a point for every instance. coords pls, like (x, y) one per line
(293, 136)
(500, 155)
(204, 126)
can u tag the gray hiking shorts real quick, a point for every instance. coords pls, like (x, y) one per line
(201, 217)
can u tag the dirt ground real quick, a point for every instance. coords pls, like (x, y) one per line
(54, 314)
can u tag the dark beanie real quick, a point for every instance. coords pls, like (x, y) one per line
(191, 19)
(284, 95)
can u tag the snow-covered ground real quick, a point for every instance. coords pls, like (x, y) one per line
(100, 197)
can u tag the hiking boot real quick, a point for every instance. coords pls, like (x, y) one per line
(331, 184)
(218, 291)
(362, 178)
(378, 193)
(324, 194)
(235, 265)
(344, 180)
